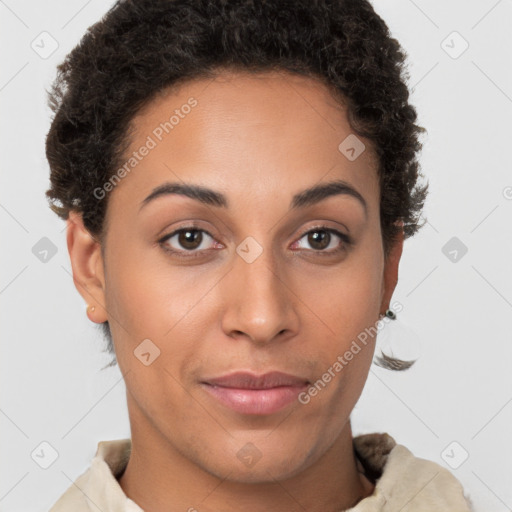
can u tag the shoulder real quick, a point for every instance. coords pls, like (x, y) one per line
(73, 498)
(406, 482)
(97, 488)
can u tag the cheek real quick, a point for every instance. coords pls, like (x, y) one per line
(346, 303)
(164, 304)
(146, 294)
(347, 299)
(148, 306)
(349, 307)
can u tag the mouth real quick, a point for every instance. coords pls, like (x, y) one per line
(248, 393)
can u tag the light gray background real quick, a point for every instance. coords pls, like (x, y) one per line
(461, 387)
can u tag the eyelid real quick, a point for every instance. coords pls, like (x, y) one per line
(191, 226)
(346, 239)
(324, 227)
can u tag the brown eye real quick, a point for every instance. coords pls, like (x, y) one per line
(319, 239)
(186, 240)
(324, 240)
(190, 239)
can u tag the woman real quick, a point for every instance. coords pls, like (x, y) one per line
(238, 178)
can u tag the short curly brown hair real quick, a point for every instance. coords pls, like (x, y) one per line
(141, 47)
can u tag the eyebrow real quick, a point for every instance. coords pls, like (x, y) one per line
(207, 196)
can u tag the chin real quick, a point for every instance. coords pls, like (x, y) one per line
(261, 473)
(250, 465)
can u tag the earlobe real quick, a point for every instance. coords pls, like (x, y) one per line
(391, 265)
(87, 267)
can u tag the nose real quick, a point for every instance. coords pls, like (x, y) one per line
(260, 303)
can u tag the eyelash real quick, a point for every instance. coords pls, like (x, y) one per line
(346, 241)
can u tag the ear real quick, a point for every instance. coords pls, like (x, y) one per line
(391, 263)
(87, 266)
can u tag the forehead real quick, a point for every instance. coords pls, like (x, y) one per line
(240, 131)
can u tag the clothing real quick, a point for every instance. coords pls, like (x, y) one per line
(403, 482)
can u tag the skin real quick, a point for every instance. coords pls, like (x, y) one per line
(259, 139)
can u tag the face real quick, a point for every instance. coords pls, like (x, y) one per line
(257, 277)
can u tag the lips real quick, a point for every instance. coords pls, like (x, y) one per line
(246, 380)
(248, 393)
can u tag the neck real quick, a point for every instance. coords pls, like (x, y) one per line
(159, 478)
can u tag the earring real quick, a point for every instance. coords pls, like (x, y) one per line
(398, 344)
(90, 308)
